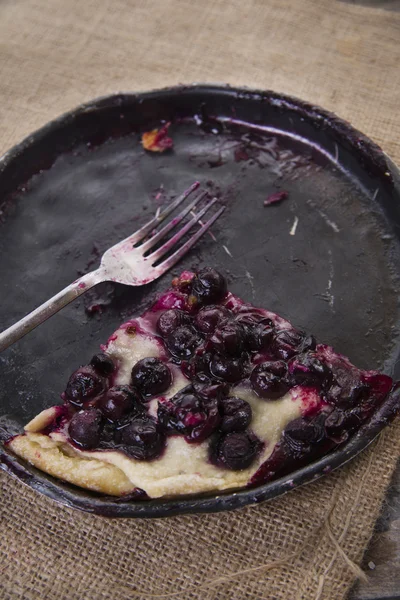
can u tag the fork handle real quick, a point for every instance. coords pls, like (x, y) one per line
(50, 307)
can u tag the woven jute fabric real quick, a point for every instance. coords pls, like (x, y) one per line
(55, 54)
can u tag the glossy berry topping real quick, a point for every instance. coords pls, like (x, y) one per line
(340, 423)
(301, 433)
(288, 342)
(235, 414)
(269, 380)
(120, 401)
(85, 428)
(228, 339)
(209, 286)
(84, 385)
(227, 368)
(211, 390)
(142, 439)
(259, 335)
(189, 415)
(209, 317)
(151, 376)
(348, 387)
(198, 367)
(169, 320)
(307, 369)
(103, 364)
(183, 341)
(236, 450)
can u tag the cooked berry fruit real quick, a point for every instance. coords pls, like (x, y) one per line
(85, 428)
(259, 335)
(228, 369)
(211, 391)
(236, 450)
(199, 366)
(103, 364)
(348, 387)
(301, 433)
(120, 401)
(340, 423)
(84, 385)
(269, 379)
(307, 369)
(182, 342)
(209, 286)
(235, 414)
(151, 376)
(169, 320)
(228, 339)
(209, 317)
(142, 439)
(188, 414)
(288, 342)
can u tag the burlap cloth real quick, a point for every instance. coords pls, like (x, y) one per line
(55, 54)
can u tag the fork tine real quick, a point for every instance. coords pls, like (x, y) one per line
(176, 256)
(158, 236)
(179, 234)
(145, 230)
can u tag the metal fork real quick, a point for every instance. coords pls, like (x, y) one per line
(131, 261)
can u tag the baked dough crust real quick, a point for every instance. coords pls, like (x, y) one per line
(59, 460)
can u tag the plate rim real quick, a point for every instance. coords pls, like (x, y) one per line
(220, 501)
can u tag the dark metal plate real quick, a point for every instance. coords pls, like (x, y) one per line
(83, 182)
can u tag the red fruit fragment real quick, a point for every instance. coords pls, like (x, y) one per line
(276, 197)
(157, 140)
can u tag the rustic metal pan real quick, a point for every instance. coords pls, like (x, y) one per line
(327, 258)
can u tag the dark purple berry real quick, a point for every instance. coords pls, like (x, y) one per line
(307, 369)
(236, 450)
(228, 369)
(301, 433)
(211, 391)
(107, 440)
(188, 414)
(199, 367)
(340, 423)
(103, 364)
(209, 286)
(119, 401)
(209, 317)
(288, 342)
(182, 342)
(84, 385)
(235, 413)
(85, 428)
(151, 376)
(228, 339)
(249, 315)
(142, 439)
(170, 320)
(259, 336)
(269, 380)
(348, 388)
